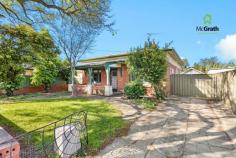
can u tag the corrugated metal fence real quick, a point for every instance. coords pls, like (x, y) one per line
(197, 85)
(220, 86)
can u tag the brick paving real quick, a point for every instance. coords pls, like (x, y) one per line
(181, 127)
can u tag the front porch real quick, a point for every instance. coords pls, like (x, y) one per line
(101, 78)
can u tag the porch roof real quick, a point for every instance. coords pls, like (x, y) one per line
(98, 64)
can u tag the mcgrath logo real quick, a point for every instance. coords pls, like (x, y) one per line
(207, 26)
(207, 19)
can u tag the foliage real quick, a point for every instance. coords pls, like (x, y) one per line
(160, 93)
(206, 64)
(145, 103)
(186, 63)
(21, 46)
(38, 11)
(149, 64)
(45, 73)
(134, 90)
(104, 121)
(64, 70)
(10, 86)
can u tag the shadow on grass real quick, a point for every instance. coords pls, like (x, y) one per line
(104, 122)
(12, 128)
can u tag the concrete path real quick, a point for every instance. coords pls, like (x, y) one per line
(183, 127)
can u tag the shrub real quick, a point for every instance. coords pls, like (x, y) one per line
(134, 90)
(148, 63)
(159, 93)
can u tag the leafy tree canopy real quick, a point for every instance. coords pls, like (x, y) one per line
(186, 63)
(35, 11)
(206, 64)
(21, 46)
(64, 70)
(149, 64)
(45, 73)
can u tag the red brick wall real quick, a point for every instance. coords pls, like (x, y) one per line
(122, 80)
(170, 70)
(81, 89)
(35, 89)
(97, 89)
(85, 78)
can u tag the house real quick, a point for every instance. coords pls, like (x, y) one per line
(191, 71)
(109, 74)
(26, 87)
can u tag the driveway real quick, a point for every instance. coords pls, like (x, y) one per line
(181, 127)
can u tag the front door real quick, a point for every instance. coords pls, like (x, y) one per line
(114, 79)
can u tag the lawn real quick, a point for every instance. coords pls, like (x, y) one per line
(19, 116)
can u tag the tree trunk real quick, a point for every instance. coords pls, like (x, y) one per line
(46, 88)
(9, 92)
(73, 94)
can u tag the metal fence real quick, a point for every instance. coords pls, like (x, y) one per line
(197, 85)
(65, 138)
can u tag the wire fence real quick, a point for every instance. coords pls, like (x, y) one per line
(65, 138)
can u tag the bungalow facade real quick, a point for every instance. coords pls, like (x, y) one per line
(109, 74)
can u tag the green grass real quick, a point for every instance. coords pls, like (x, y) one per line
(23, 116)
(145, 103)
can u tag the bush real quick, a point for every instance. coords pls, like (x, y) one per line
(159, 93)
(134, 90)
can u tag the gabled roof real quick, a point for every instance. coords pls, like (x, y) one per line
(124, 56)
(192, 71)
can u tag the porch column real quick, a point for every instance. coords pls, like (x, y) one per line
(90, 84)
(108, 87)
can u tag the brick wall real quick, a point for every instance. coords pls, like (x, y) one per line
(81, 89)
(85, 78)
(170, 70)
(36, 89)
(122, 78)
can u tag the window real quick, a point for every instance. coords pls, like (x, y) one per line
(97, 76)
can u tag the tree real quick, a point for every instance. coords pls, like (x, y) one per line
(21, 46)
(75, 38)
(64, 70)
(45, 73)
(186, 63)
(149, 64)
(206, 64)
(35, 11)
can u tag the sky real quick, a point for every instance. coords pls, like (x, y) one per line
(171, 20)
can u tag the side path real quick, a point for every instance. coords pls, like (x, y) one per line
(182, 127)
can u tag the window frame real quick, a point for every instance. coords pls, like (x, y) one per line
(97, 74)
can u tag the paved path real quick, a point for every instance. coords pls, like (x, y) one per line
(183, 127)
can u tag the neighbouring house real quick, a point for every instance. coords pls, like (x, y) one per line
(109, 74)
(191, 71)
(26, 87)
